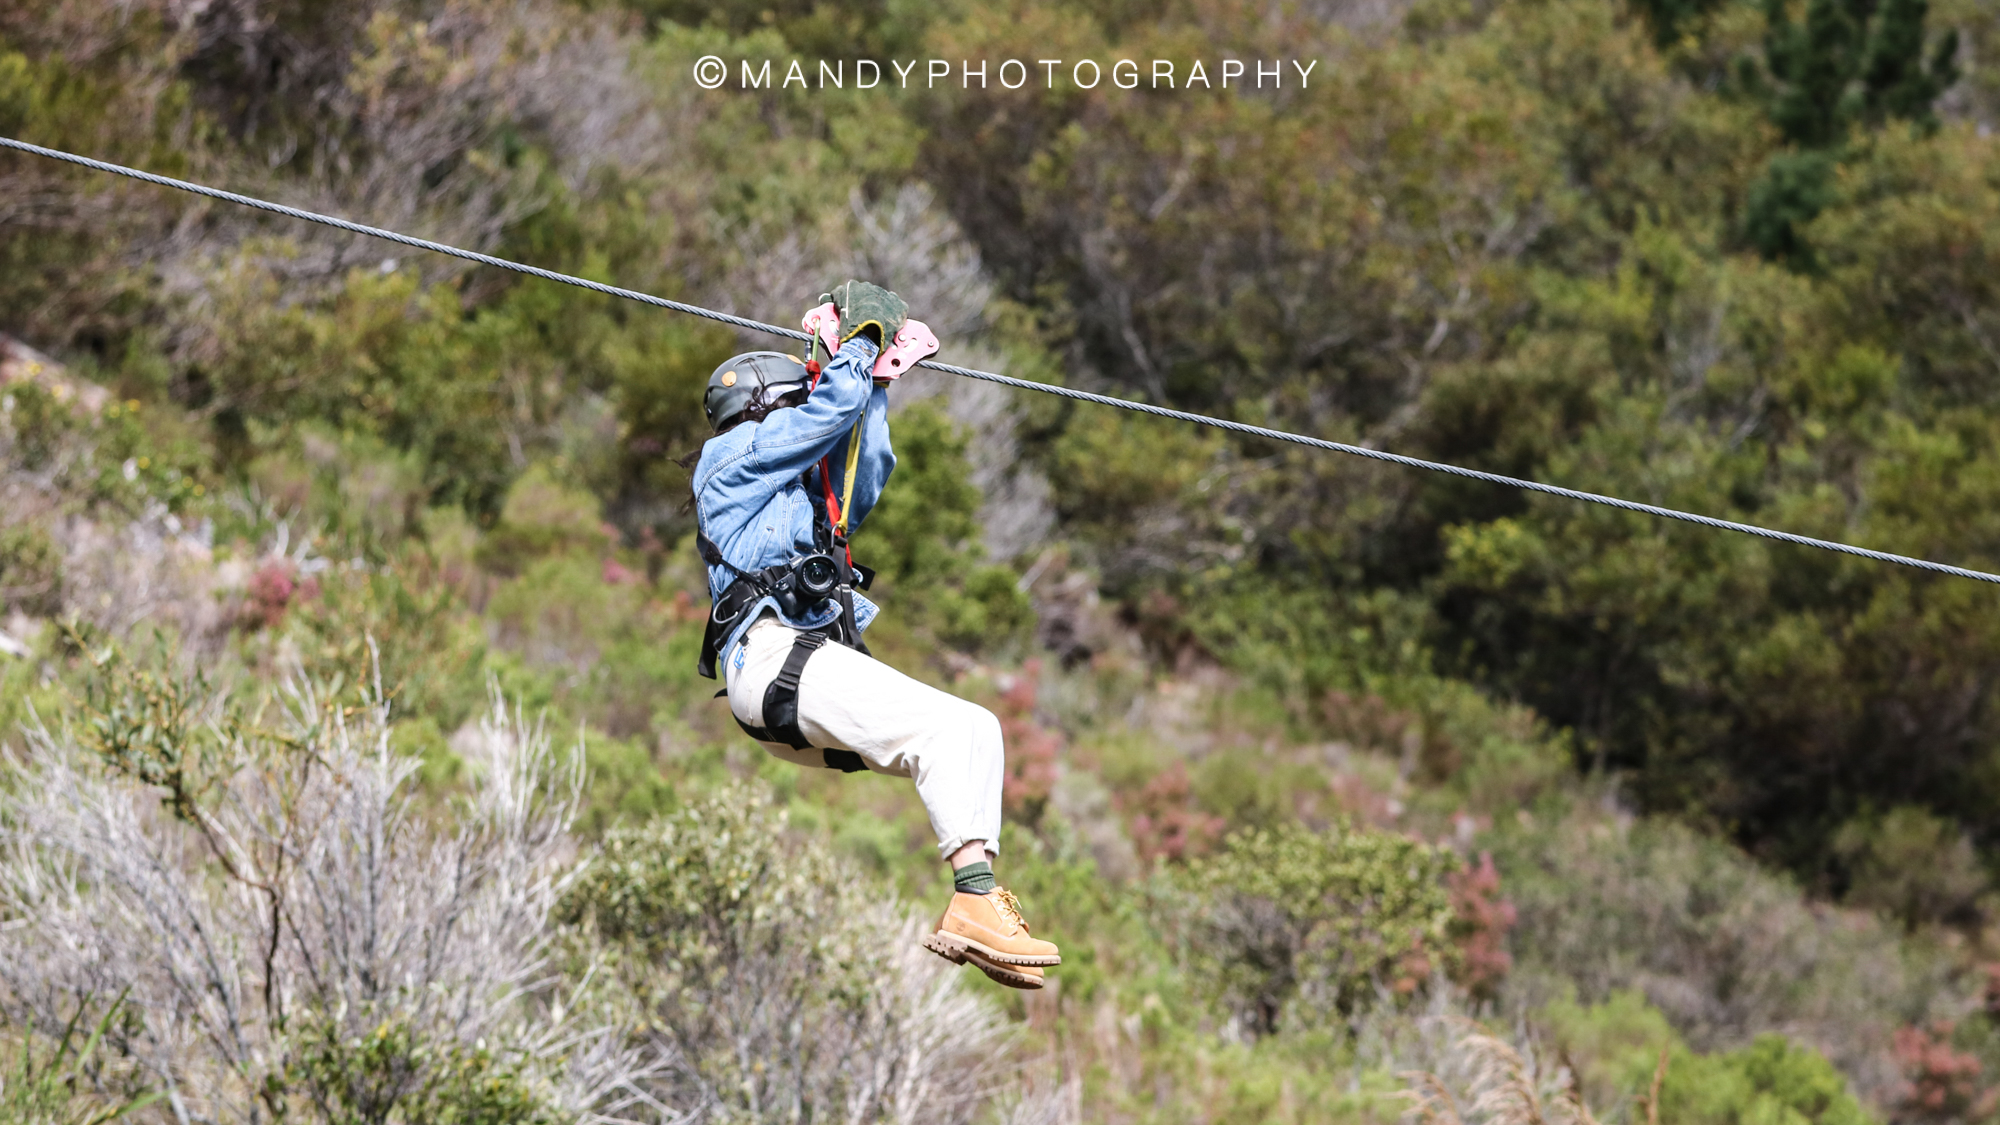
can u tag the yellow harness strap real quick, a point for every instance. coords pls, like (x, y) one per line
(853, 463)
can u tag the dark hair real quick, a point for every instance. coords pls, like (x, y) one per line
(760, 408)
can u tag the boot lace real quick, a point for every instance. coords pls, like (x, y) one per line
(1009, 907)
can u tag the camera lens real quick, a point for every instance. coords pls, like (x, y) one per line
(818, 574)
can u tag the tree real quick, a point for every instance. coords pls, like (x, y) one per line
(1897, 83)
(1849, 63)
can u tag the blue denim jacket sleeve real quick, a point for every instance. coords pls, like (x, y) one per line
(788, 442)
(747, 491)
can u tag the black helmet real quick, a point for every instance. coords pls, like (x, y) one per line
(752, 376)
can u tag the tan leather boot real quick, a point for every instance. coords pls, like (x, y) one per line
(989, 931)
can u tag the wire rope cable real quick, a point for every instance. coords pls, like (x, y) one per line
(1225, 424)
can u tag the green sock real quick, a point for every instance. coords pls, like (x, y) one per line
(975, 878)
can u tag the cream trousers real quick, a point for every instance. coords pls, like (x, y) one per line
(898, 725)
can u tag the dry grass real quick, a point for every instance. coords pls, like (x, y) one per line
(1477, 1078)
(304, 893)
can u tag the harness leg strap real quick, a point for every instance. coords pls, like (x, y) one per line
(781, 698)
(781, 707)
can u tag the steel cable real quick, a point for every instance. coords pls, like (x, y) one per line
(1006, 380)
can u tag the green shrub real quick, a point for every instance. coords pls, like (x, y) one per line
(1771, 1080)
(355, 485)
(381, 355)
(1617, 1047)
(1294, 926)
(717, 879)
(786, 983)
(625, 785)
(396, 1074)
(659, 370)
(120, 458)
(149, 721)
(404, 621)
(543, 515)
(610, 649)
(923, 538)
(38, 424)
(561, 613)
(1911, 865)
(30, 571)
(1726, 948)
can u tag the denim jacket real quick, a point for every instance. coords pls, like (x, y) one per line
(751, 499)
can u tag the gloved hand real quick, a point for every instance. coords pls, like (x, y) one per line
(867, 308)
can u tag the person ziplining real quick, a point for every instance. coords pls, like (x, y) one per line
(788, 613)
(799, 457)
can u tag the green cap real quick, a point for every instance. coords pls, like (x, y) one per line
(743, 379)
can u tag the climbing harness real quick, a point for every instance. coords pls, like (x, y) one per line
(1007, 380)
(799, 586)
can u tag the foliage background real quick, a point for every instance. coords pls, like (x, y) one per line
(1310, 760)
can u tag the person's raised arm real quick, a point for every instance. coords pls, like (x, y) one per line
(870, 317)
(788, 442)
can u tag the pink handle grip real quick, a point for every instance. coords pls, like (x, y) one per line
(824, 322)
(913, 343)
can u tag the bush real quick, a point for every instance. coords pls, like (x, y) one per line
(290, 930)
(783, 984)
(1624, 1046)
(611, 651)
(1295, 926)
(924, 539)
(30, 571)
(1912, 866)
(113, 459)
(543, 515)
(355, 1073)
(1772, 1079)
(364, 492)
(1722, 947)
(402, 621)
(1943, 1082)
(625, 785)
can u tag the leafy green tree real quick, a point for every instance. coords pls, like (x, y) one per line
(923, 538)
(1670, 18)
(1288, 924)
(1796, 187)
(1850, 62)
(1898, 82)
(1815, 64)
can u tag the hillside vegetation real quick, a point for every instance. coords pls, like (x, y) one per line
(355, 767)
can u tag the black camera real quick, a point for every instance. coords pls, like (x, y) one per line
(808, 581)
(818, 574)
